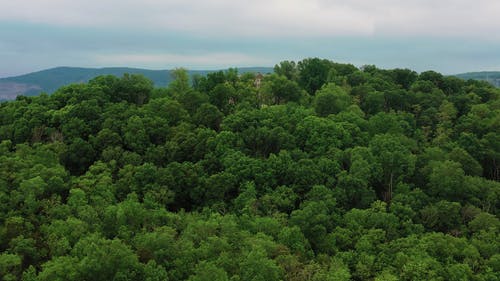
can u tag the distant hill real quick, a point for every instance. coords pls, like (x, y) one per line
(492, 77)
(49, 80)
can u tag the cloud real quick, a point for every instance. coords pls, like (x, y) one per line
(447, 35)
(288, 18)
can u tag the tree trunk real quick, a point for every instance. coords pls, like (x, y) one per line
(389, 196)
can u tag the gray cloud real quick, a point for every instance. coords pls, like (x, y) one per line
(448, 35)
(298, 18)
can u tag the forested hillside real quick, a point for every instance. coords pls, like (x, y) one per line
(319, 171)
(49, 80)
(492, 77)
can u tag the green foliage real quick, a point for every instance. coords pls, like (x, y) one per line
(208, 272)
(180, 85)
(257, 267)
(279, 89)
(287, 69)
(322, 172)
(313, 73)
(393, 154)
(331, 99)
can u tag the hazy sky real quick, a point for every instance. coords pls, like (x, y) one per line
(449, 36)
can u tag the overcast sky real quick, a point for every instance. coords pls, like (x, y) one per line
(450, 36)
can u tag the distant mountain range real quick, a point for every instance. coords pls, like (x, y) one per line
(49, 80)
(492, 77)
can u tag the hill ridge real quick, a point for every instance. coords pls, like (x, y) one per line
(49, 80)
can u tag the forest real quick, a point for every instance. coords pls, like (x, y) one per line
(319, 171)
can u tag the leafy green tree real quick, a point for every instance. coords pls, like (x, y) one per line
(436, 78)
(391, 123)
(132, 88)
(135, 137)
(10, 266)
(257, 267)
(206, 271)
(158, 245)
(316, 217)
(223, 96)
(313, 73)
(78, 156)
(393, 154)
(446, 181)
(287, 69)
(484, 221)
(443, 216)
(153, 272)
(404, 77)
(180, 85)
(279, 89)
(169, 110)
(209, 116)
(469, 164)
(331, 99)
(373, 102)
(319, 135)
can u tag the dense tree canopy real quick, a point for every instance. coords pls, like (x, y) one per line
(323, 171)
